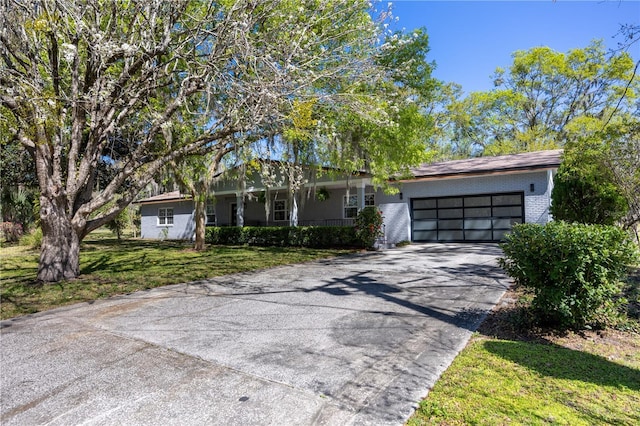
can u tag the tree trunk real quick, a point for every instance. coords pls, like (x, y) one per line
(60, 253)
(200, 222)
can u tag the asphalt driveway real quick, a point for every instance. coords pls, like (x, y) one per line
(354, 340)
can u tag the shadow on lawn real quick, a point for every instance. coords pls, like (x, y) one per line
(563, 363)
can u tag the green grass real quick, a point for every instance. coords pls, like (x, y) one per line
(109, 267)
(516, 374)
(495, 382)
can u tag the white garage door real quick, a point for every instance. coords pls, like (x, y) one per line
(486, 217)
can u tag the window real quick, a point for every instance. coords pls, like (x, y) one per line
(280, 210)
(369, 200)
(165, 216)
(351, 204)
(211, 214)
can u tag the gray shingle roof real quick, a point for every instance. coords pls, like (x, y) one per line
(167, 196)
(486, 165)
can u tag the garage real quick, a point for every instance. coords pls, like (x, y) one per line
(477, 217)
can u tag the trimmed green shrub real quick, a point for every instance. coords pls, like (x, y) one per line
(573, 270)
(284, 236)
(369, 226)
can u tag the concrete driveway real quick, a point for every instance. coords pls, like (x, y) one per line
(355, 340)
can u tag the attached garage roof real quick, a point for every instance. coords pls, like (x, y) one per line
(167, 196)
(488, 165)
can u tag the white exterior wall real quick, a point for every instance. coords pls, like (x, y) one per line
(396, 211)
(395, 208)
(183, 227)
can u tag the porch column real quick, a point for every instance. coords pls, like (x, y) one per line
(240, 209)
(360, 192)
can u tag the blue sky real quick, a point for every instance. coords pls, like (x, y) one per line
(469, 39)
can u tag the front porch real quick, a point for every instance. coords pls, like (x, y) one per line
(337, 207)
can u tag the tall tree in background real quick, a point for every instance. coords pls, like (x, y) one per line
(540, 99)
(599, 178)
(78, 76)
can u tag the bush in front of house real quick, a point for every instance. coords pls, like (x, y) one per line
(573, 270)
(284, 236)
(369, 226)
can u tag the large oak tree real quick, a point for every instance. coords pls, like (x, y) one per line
(116, 83)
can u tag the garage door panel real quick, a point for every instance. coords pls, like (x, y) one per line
(444, 203)
(450, 213)
(422, 225)
(506, 199)
(486, 235)
(477, 201)
(506, 223)
(478, 224)
(425, 235)
(425, 204)
(507, 211)
(450, 235)
(499, 235)
(425, 214)
(477, 212)
(485, 217)
(450, 224)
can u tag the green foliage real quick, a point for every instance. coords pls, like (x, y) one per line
(537, 100)
(369, 226)
(584, 189)
(322, 194)
(284, 236)
(161, 81)
(33, 239)
(120, 223)
(389, 131)
(17, 205)
(573, 270)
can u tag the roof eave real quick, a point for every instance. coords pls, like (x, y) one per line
(481, 173)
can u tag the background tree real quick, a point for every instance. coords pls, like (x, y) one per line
(18, 186)
(78, 76)
(538, 99)
(584, 189)
(623, 160)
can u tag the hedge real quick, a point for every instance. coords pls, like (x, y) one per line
(284, 236)
(573, 270)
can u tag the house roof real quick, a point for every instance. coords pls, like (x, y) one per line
(528, 161)
(167, 196)
(488, 165)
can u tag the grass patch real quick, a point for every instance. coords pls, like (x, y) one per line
(109, 267)
(508, 374)
(496, 381)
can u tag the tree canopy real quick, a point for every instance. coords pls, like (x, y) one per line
(118, 82)
(544, 99)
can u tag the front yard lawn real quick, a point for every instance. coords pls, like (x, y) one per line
(109, 267)
(537, 377)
